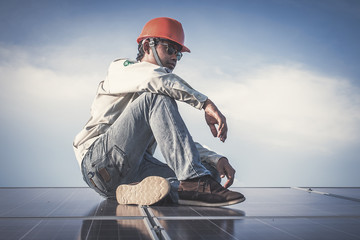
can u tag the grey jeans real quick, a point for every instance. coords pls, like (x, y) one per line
(120, 155)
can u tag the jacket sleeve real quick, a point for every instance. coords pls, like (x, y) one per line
(147, 77)
(206, 155)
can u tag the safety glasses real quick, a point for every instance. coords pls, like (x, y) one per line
(171, 49)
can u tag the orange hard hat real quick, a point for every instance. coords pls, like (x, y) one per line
(164, 27)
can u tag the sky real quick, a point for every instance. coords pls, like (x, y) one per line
(285, 74)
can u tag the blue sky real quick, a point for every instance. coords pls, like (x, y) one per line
(285, 73)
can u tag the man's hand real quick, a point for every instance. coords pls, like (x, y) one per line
(214, 117)
(225, 169)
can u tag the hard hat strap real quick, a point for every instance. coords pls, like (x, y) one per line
(152, 45)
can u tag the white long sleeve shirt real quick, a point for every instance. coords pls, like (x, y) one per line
(124, 82)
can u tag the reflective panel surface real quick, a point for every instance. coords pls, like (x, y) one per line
(267, 213)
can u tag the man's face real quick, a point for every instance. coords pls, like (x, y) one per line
(167, 53)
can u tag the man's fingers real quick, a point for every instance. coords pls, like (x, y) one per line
(222, 132)
(230, 174)
(213, 130)
(222, 136)
(229, 182)
(220, 128)
(225, 169)
(222, 173)
(215, 118)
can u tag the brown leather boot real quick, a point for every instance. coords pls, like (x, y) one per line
(205, 191)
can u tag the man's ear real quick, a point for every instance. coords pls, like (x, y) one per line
(146, 47)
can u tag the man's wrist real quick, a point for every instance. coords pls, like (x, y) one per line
(206, 103)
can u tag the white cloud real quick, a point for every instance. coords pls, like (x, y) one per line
(285, 106)
(51, 79)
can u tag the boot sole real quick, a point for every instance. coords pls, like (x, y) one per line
(148, 192)
(206, 204)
